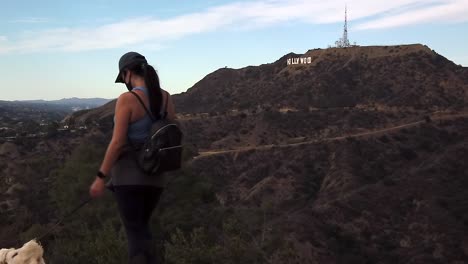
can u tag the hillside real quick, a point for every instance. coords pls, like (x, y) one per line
(102, 114)
(367, 168)
(402, 76)
(396, 197)
(348, 91)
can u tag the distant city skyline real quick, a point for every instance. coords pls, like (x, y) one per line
(54, 49)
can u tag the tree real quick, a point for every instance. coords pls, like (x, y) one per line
(52, 129)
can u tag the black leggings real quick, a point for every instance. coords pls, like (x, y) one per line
(136, 204)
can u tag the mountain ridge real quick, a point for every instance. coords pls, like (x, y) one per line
(72, 100)
(335, 77)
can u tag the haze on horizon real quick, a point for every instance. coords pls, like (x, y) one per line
(53, 50)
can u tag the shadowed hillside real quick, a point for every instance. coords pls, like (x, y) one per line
(396, 197)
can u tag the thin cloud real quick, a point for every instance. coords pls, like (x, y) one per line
(30, 20)
(450, 12)
(238, 15)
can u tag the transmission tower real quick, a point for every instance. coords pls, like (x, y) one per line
(344, 41)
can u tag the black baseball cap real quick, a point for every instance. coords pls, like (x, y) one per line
(128, 60)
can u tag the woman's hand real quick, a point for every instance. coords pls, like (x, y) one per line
(97, 188)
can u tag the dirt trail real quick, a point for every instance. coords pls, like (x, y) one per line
(434, 117)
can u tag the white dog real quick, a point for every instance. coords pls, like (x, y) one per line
(29, 253)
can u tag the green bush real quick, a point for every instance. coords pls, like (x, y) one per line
(94, 233)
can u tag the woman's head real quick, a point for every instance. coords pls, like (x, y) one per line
(129, 60)
(133, 68)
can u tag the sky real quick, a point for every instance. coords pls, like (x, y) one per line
(53, 49)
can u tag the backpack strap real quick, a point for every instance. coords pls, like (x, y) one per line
(164, 115)
(143, 104)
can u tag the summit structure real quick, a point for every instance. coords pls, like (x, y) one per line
(344, 41)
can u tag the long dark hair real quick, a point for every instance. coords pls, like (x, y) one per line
(152, 84)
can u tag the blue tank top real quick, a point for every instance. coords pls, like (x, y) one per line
(138, 131)
(126, 171)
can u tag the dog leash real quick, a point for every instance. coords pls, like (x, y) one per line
(83, 203)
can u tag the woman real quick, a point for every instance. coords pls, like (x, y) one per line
(136, 193)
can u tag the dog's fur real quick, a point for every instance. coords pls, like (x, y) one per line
(29, 253)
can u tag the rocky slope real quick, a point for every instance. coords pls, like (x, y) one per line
(396, 197)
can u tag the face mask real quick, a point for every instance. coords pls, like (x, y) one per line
(129, 86)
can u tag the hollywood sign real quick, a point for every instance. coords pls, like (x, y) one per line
(294, 61)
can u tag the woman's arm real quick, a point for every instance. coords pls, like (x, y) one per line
(119, 136)
(123, 114)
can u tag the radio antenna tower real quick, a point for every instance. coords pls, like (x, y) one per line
(344, 41)
(345, 32)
